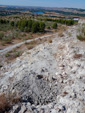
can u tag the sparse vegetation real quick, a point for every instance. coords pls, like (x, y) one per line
(68, 22)
(60, 34)
(13, 54)
(29, 36)
(7, 39)
(17, 54)
(7, 54)
(30, 45)
(81, 32)
(69, 34)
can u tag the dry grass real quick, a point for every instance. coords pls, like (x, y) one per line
(60, 34)
(30, 45)
(4, 104)
(77, 56)
(61, 30)
(13, 54)
(7, 101)
(37, 42)
(81, 32)
(62, 27)
(50, 40)
(61, 46)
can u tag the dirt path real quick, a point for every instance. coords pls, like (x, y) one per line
(4, 51)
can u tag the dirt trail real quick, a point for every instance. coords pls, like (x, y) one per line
(7, 49)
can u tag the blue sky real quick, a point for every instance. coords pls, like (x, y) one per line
(46, 3)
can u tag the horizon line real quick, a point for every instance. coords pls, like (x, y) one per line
(41, 6)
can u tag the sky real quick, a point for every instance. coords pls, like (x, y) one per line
(46, 3)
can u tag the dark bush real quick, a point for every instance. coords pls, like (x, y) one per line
(3, 21)
(55, 25)
(35, 27)
(30, 22)
(41, 26)
(48, 27)
(12, 23)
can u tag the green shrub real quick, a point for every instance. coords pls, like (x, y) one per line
(69, 22)
(1, 35)
(62, 21)
(5, 27)
(81, 32)
(48, 27)
(7, 54)
(13, 54)
(3, 21)
(35, 27)
(55, 25)
(17, 54)
(29, 26)
(41, 26)
(12, 23)
(7, 39)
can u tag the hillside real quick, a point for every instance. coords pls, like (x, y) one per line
(47, 11)
(49, 78)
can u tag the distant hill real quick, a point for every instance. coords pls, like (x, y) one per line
(63, 11)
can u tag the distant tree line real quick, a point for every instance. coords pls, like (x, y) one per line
(67, 13)
(29, 25)
(4, 21)
(62, 21)
(26, 25)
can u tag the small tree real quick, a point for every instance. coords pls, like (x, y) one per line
(35, 27)
(12, 23)
(55, 25)
(29, 25)
(41, 26)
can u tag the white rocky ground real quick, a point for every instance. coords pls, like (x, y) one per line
(49, 78)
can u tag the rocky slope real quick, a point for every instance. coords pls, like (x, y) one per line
(49, 78)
